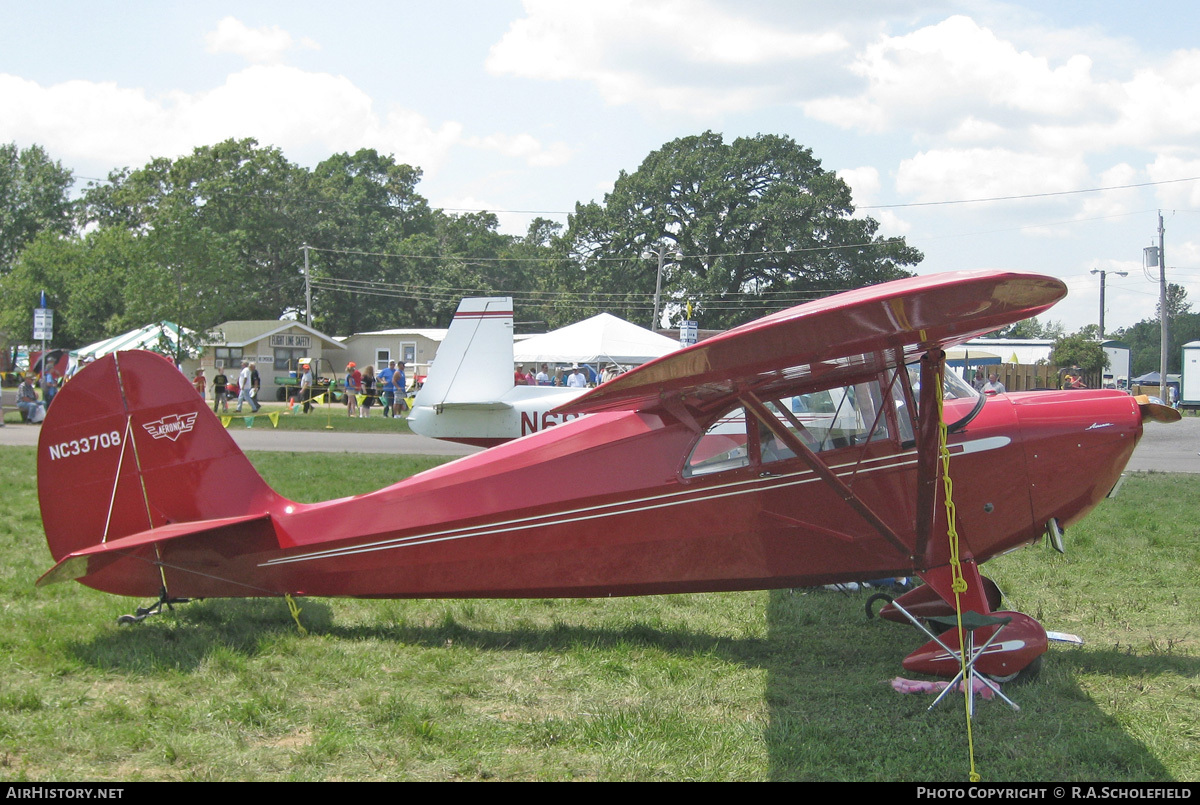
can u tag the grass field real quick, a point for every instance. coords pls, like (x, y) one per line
(745, 686)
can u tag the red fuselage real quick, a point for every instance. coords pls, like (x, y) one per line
(601, 506)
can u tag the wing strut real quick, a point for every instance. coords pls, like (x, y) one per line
(933, 366)
(756, 407)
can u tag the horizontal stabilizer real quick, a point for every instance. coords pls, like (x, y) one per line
(149, 545)
(482, 405)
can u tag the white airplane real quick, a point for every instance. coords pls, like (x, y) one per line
(469, 395)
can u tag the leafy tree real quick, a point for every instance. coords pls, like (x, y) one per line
(1080, 349)
(1145, 337)
(1177, 303)
(760, 226)
(222, 228)
(89, 281)
(1030, 328)
(33, 198)
(366, 211)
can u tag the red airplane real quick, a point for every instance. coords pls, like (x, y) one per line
(797, 450)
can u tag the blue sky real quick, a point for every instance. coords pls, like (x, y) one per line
(516, 106)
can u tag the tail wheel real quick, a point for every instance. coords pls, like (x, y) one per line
(876, 603)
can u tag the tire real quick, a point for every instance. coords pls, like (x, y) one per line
(872, 611)
(1026, 675)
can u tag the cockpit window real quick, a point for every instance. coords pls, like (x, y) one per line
(838, 417)
(953, 386)
(724, 446)
(829, 419)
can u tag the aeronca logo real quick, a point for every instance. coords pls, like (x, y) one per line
(170, 427)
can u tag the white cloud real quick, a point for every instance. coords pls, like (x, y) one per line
(960, 77)
(309, 115)
(676, 55)
(975, 173)
(1167, 167)
(256, 45)
(1112, 202)
(525, 147)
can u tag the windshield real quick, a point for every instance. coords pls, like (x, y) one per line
(953, 386)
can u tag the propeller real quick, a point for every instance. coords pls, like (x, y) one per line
(1156, 409)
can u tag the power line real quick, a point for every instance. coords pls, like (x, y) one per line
(548, 258)
(1026, 195)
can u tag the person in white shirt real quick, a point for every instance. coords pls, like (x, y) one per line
(576, 380)
(244, 388)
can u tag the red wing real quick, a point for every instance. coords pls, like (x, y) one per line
(831, 340)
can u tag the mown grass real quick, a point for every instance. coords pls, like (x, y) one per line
(329, 417)
(774, 685)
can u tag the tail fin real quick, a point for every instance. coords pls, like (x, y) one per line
(128, 446)
(475, 360)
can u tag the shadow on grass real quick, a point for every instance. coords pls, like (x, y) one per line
(181, 638)
(833, 714)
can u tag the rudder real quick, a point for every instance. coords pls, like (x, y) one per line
(128, 445)
(475, 360)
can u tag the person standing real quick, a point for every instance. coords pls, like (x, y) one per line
(387, 388)
(368, 389)
(244, 389)
(199, 383)
(306, 386)
(255, 382)
(221, 391)
(401, 382)
(576, 380)
(353, 384)
(49, 385)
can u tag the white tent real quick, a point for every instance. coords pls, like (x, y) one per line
(603, 338)
(155, 337)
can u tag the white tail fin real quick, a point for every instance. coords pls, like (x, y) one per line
(474, 363)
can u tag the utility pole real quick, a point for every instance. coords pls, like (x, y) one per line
(1163, 391)
(1102, 274)
(661, 251)
(307, 289)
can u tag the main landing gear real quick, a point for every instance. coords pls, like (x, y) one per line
(1014, 655)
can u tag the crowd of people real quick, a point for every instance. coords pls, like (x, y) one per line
(363, 390)
(572, 377)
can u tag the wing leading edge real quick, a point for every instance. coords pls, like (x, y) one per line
(839, 336)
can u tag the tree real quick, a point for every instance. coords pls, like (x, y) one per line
(222, 230)
(760, 226)
(33, 198)
(1145, 337)
(1030, 328)
(1177, 303)
(1081, 350)
(368, 211)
